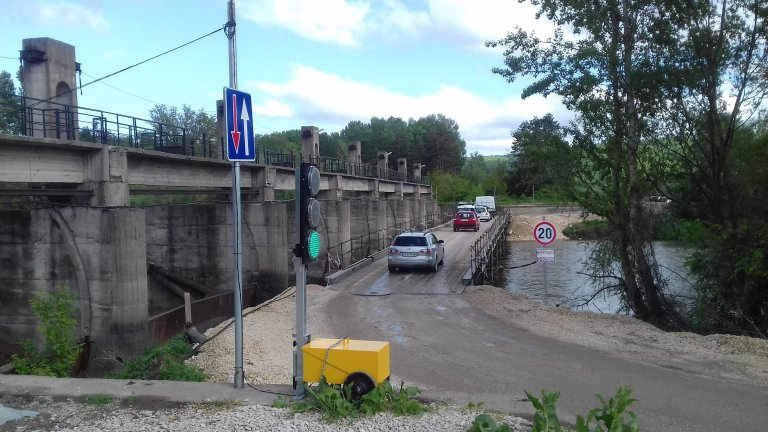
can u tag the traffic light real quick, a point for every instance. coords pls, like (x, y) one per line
(309, 213)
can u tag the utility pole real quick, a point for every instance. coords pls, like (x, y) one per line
(239, 379)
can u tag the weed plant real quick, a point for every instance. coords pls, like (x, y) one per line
(99, 399)
(609, 417)
(56, 311)
(163, 362)
(334, 402)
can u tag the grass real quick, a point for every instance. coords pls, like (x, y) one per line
(163, 362)
(99, 399)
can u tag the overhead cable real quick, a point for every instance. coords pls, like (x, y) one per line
(129, 67)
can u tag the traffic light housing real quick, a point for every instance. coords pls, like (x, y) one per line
(309, 213)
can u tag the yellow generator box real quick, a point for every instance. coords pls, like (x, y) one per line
(345, 357)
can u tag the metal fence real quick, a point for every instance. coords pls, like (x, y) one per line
(487, 252)
(49, 119)
(348, 252)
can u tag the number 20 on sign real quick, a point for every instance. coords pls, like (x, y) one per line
(544, 233)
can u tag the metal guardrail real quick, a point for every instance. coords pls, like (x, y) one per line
(50, 119)
(346, 253)
(487, 251)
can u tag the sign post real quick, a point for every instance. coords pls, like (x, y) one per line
(240, 147)
(545, 234)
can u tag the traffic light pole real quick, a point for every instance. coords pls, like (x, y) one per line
(300, 337)
(239, 378)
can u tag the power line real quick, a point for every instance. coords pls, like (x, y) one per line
(9, 58)
(125, 91)
(130, 67)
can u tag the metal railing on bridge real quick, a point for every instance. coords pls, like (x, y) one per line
(28, 116)
(344, 254)
(487, 252)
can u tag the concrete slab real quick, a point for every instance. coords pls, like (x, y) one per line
(170, 391)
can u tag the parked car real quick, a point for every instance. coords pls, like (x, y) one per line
(416, 249)
(466, 219)
(483, 214)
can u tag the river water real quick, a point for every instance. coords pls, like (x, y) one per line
(566, 287)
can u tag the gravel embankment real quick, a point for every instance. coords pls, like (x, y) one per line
(69, 416)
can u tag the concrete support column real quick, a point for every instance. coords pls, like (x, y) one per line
(402, 169)
(337, 218)
(355, 158)
(119, 287)
(264, 180)
(310, 143)
(335, 189)
(381, 210)
(267, 248)
(373, 188)
(49, 74)
(382, 163)
(417, 211)
(106, 172)
(417, 172)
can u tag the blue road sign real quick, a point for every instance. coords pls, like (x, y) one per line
(241, 145)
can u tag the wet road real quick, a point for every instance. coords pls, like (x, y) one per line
(453, 350)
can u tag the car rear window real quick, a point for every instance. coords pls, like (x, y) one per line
(410, 241)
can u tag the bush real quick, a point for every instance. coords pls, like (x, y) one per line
(56, 311)
(163, 362)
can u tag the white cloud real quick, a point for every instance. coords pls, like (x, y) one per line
(330, 101)
(70, 14)
(334, 21)
(348, 22)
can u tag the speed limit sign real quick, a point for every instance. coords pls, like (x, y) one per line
(544, 233)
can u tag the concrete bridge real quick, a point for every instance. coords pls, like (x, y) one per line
(66, 222)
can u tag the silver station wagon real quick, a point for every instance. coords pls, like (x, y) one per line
(416, 249)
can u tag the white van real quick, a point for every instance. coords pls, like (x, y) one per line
(488, 202)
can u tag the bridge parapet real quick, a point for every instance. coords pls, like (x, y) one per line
(109, 171)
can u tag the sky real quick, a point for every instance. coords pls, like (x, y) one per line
(322, 63)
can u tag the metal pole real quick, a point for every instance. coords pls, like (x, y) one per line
(239, 379)
(544, 218)
(300, 338)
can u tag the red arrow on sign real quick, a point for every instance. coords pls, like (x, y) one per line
(235, 133)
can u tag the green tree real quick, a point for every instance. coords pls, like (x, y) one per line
(10, 106)
(440, 143)
(196, 125)
(280, 142)
(450, 188)
(609, 74)
(540, 158)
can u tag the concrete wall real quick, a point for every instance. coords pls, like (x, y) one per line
(100, 256)
(96, 255)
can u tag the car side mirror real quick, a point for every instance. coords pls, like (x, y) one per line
(441, 241)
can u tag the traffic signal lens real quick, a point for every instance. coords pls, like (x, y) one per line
(313, 212)
(313, 180)
(313, 244)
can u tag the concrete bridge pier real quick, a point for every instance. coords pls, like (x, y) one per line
(97, 255)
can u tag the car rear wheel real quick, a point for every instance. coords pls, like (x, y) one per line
(434, 267)
(392, 269)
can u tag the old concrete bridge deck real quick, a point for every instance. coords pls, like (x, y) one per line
(75, 230)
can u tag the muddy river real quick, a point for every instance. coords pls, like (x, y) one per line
(566, 286)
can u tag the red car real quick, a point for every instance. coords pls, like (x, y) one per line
(464, 220)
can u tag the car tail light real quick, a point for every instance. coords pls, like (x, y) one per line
(425, 252)
(393, 251)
